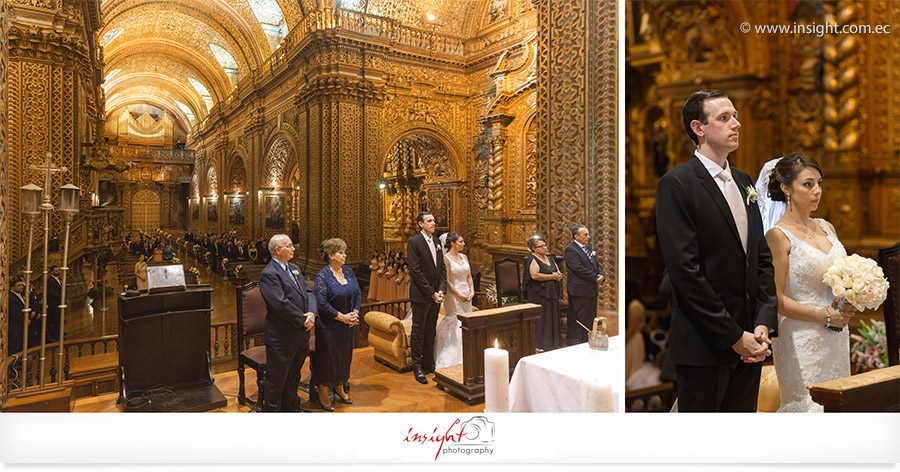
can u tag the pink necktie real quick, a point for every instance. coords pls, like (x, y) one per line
(736, 203)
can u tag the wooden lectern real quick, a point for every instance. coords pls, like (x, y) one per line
(164, 352)
(511, 325)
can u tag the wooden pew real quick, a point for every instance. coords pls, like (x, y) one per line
(873, 391)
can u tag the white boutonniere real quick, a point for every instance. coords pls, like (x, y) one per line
(751, 194)
(296, 273)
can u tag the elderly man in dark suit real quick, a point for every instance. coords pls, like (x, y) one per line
(426, 268)
(585, 274)
(290, 313)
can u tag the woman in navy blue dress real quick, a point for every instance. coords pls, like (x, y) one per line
(339, 300)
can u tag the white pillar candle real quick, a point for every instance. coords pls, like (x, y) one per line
(496, 379)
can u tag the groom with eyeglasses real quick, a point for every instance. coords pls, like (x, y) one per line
(719, 265)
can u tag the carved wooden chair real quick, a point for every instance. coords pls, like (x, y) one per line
(889, 260)
(251, 318)
(508, 275)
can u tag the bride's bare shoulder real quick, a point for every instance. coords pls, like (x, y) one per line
(830, 226)
(777, 240)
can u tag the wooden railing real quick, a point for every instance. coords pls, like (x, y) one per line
(655, 399)
(223, 342)
(74, 349)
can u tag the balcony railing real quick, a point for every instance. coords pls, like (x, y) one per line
(141, 153)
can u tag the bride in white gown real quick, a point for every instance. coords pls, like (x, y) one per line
(806, 350)
(448, 335)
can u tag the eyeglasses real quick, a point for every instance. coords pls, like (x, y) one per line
(541, 247)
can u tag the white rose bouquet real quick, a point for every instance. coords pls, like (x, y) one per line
(857, 280)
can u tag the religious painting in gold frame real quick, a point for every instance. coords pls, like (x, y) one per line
(236, 210)
(274, 211)
(212, 209)
(439, 206)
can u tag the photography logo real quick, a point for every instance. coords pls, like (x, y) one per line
(474, 436)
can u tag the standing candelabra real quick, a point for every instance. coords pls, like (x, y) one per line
(34, 202)
(31, 209)
(68, 206)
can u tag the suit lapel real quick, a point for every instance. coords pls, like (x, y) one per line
(706, 181)
(297, 285)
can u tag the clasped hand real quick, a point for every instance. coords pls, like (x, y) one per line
(438, 296)
(467, 297)
(310, 320)
(350, 319)
(840, 316)
(754, 347)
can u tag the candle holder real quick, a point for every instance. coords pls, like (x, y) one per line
(68, 206)
(598, 338)
(31, 209)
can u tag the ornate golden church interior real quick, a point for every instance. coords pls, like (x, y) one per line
(833, 97)
(314, 118)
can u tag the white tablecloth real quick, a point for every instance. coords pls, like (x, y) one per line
(571, 379)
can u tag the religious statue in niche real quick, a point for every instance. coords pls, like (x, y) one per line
(108, 194)
(497, 10)
(660, 145)
(699, 44)
(395, 206)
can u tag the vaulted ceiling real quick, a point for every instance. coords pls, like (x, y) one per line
(186, 55)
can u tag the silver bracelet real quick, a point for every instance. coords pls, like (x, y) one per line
(828, 317)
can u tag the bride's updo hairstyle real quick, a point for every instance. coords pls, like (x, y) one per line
(787, 169)
(451, 237)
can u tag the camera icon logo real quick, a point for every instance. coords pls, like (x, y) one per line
(479, 430)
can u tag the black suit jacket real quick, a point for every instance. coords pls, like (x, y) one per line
(426, 277)
(16, 324)
(720, 291)
(582, 271)
(286, 305)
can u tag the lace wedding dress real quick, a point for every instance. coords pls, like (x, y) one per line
(807, 352)
(448, 335)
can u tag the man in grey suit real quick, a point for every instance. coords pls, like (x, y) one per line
(290, 314)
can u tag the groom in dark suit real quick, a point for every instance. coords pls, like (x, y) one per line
(290, 313)
(584, 274)
(719, 265)
(426, 267)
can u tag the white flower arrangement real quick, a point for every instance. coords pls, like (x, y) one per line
(857, 280)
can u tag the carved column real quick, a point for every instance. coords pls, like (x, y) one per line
(4, 198)
(52, 65)
(576, 128)
(339, 164)
(253, 132)
(500, 157)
